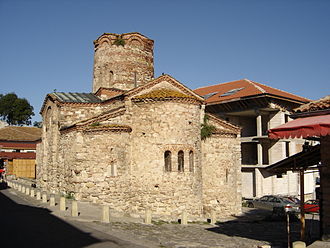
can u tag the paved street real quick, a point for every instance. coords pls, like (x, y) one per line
(27, 222)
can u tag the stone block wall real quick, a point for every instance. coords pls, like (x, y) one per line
(221, 176)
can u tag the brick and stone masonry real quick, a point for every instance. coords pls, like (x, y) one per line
(140, 147)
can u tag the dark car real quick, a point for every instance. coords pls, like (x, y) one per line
(312, 206)
(277, 204)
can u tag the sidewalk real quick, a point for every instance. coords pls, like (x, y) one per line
(252, 229)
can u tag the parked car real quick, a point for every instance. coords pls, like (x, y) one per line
(277, 204)
(312, 206)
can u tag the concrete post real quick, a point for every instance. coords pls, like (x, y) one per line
(27, 191)
(38, 195)
(20, 188)
(184, 218)
(74, 208)
(213, 218)
(62, 203)
(105, 214)
(298, 244)
(52, 200)
(23, 189)
(44, 197)
(148, 217)
(32, 192)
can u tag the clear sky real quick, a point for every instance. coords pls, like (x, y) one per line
(48, 44)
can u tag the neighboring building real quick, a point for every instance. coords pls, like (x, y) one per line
(135, 142)
(18, 150)
(256, 108)
(312, 121)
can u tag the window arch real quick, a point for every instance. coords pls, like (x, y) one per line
(191, 161)
(181, 161)
(168, 160)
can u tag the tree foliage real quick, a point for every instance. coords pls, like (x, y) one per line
(15, 110)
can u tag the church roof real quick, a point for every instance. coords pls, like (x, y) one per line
(240, 89)
(76, 97)
(162, 94)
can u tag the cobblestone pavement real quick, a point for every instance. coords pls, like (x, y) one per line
(252, 229)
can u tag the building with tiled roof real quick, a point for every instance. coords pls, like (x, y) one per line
(256, 107)
(138, 142)
(18, 149)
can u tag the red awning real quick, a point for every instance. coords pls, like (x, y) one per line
(302, 128)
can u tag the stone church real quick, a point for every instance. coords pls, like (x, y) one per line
(135, 142)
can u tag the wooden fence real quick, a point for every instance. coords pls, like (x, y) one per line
(24, 168)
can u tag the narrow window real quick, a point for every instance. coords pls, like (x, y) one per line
(287, 149)
(167, 160)
(181, 161)
(191, 161)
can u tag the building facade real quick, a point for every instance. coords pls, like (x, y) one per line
(256, 108)
(135, 142)
(18, 150)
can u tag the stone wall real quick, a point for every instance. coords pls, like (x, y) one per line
(124, 66)
(221, 176)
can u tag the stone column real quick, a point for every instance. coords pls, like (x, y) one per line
(38, 195)
(74, 208)
(105, 214)
(44, 197)
(148, 218)
(32, 192)
(52, 200)
(213, 218)
(62, 203)
(184, 218)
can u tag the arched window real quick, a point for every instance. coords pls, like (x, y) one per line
(191, 161)
(167, 160)
(181, 161)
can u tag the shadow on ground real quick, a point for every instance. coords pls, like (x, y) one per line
(262, 225)
(26, 226)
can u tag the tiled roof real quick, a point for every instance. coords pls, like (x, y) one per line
(321, 104)
(162, 94)
(13, 133)
(242, 89)
(76, 97)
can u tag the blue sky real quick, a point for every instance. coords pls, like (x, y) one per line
(47, 45)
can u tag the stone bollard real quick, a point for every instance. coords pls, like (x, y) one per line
(27, 191)
(62, 203)
(52, 200)
(20, 188)
(105, 214)
(32, 192)
(213, 218)
(23, 189)
(184, 219)
(74, 208)
(148, 217)
(298, 244)
(44, 197)
(38, 195)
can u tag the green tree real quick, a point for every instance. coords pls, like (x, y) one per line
(15, 110)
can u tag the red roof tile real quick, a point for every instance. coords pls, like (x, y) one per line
(321, 104)
(241, 89)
